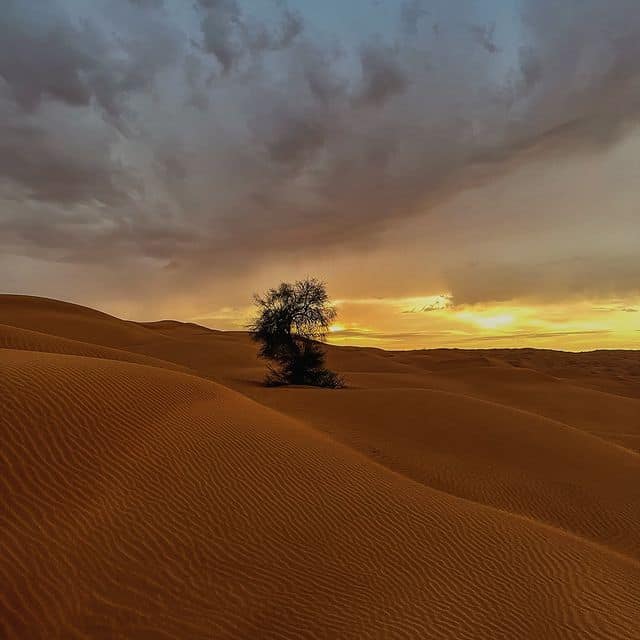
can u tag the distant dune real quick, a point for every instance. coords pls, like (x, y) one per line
(153, 488)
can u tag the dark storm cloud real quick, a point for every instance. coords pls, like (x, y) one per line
(229, 34)
(485, 36)
(592, 276)
(43, 54)
(245, 135)
(53, 168)
(64, 88)
(296, 137)
(220, 28)
(148, 3)
(411, 12)
(382, 75)
(581, 66)
(46, 57)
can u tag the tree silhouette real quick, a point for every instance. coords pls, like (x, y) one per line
(291, 322)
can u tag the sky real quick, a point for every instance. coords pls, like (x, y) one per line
(461, 173)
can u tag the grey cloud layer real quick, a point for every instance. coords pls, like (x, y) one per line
(597, 275)
(229, 34)
(183, 133)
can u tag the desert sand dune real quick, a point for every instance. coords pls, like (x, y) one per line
(594, 408)
(25, 339)
(145, 495)
(486, 452)
(69, 321)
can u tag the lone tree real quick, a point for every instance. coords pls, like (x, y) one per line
(291, 322)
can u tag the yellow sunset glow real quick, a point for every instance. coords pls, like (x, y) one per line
(488, 322)
(419, 322)
(434, 321)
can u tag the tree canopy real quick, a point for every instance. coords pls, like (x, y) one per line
(290, 322)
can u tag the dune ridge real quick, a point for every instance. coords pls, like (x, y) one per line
(28, 340)
(152, 488)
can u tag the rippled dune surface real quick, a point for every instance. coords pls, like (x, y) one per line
(152, 488)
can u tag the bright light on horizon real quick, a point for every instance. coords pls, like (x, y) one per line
(575, 325)
(490, 322)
